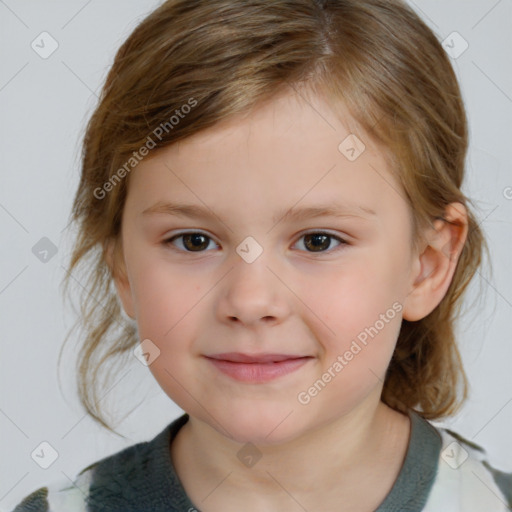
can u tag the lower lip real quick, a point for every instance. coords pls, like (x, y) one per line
(258, 372)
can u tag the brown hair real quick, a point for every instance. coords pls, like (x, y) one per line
(226, 57)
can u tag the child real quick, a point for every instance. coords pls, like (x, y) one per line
(274, 189)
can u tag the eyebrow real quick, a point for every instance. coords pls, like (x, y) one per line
(297, 214)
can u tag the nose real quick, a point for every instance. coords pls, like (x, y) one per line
(252, 294)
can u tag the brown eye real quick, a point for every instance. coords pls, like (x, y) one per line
(320, 242)
(195, 242)
(316, 242)
(191, 242)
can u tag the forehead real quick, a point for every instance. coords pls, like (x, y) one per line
(292, 151)
(289, 119)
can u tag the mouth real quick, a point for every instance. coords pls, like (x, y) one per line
(256, 368)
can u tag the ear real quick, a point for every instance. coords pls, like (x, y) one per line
(113, 256)
(436, 263)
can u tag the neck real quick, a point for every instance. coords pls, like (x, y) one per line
(337, 453)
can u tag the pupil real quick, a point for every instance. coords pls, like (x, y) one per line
(320, 240)
(196, 238)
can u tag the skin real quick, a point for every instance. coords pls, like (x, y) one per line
(345, 445)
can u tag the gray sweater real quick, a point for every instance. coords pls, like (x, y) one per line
(442, 472)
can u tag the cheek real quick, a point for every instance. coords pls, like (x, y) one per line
(355, 313)
(363, 321)
(163, 296)
(166, 304)
(350, 299)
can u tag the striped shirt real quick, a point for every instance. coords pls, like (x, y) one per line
(442, 472)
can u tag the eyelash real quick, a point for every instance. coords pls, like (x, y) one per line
(168, 242)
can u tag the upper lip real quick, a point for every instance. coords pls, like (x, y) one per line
(237, 357)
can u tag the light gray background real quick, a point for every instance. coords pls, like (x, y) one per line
(44, 104)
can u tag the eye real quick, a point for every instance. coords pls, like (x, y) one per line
(318, 241)
(192, 241)
(195, 241)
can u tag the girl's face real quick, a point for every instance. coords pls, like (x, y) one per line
(271, 316)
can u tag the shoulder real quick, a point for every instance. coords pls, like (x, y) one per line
(138, 477)
(59, 496)
(63, 495)
(466, 481)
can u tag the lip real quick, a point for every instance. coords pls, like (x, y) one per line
(238, 357)
(257, 368)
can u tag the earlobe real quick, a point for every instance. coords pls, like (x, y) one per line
(114, 259)
(435, 266)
